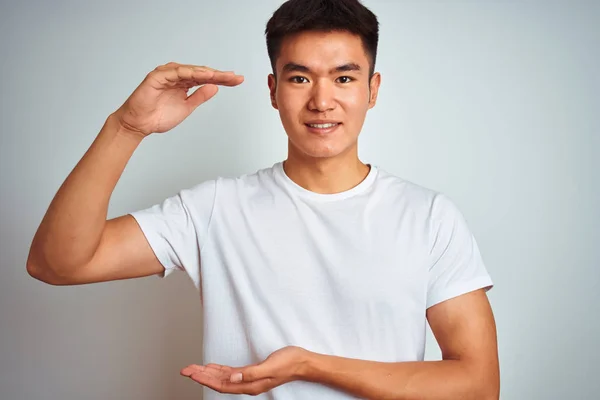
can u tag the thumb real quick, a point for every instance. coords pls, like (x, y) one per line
(202, 95)
(250, 374)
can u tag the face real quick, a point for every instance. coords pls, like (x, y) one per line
(323, 93)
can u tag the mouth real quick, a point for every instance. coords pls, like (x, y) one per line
(323, 127)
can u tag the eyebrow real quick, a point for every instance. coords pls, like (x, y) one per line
(293, 67)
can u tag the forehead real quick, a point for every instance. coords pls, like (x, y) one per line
(322, 51)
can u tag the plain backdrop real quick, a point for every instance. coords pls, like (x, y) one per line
(493, 103)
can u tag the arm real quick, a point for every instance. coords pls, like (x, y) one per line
(465, 330)
(75, 243)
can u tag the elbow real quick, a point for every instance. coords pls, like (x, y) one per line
(490, 395)
(484, 380)
(42, 271)
(490, 389)
(493, 392)
(482, 392)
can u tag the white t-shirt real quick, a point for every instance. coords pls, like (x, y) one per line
(348, 274)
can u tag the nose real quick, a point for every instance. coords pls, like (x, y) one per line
(322, 97)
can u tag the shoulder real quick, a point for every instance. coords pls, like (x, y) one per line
(231, 190)
(248, 183)
(404, 192)
(425, 202)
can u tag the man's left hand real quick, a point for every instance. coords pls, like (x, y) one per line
(283, 366)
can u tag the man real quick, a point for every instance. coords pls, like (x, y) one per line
(317, 275)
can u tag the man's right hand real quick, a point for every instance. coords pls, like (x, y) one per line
(161, 101)
(75, 243)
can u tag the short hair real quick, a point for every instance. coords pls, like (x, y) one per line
(296, 16)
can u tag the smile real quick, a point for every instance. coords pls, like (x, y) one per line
(323, 126)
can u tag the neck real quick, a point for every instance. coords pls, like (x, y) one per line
(326, 175)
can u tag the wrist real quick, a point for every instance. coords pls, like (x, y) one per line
(121, 130)
(309, 366)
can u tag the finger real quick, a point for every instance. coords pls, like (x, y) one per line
(251, 388)
(251, 374)
(190, 83)
(213, 369)
(217, 374)
(227, 78)
(221, 372)
(207, 380)
(166, 66)
(219, 367)
(191, 369)
(201, 95)
(175, 76)
(224, 386)
(185, 73)
(174, 65)
(200, 68)
(185, 69)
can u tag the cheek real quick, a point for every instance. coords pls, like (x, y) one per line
(355, 99)
(290, 103)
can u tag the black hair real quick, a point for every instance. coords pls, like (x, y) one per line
(296, 16)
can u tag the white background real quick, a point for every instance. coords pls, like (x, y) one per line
(494, 103)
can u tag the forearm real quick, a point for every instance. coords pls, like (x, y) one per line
(70, 232)
(426, 380)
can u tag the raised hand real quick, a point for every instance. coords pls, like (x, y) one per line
(161, 101)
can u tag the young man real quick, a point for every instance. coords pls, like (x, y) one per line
(317, 275)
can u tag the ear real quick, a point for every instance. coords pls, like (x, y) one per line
(374, 89)
(272, 82)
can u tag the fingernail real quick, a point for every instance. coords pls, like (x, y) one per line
(237, 377)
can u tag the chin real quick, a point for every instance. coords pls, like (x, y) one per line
(319, 151)
(305, 144)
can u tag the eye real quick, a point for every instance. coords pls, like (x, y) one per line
(345, 79)
(297, 79)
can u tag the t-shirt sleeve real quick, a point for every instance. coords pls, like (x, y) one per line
(177, 228)
(456, 264)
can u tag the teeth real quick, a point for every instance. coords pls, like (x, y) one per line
(322, 126)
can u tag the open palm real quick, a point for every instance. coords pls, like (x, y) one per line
(280, 367)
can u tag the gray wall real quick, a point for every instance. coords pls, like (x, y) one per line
(494, 103)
